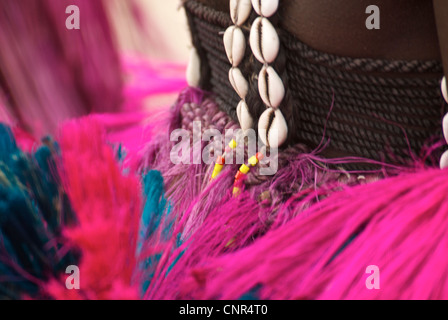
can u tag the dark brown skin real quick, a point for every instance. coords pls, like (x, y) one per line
(408, 30)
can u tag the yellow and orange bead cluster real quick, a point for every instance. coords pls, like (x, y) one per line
(221, 160)
(243, 171)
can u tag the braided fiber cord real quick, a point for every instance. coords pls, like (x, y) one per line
(376, 109)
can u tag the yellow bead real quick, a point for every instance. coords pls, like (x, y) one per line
(236, 191)
(244, 169)
(217, 170)
(230, 243)
(233, 144)
(253, 161)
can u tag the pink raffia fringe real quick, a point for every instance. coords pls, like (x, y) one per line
(107, 205)
(398, 225)
(96, 152)
(307, 232)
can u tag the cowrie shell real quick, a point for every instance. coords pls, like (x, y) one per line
(445, 127)
(238, 82)
(244, 116)
(235, 45)
(444, 89)
(265, 8)
(193, 73)
(264, 40)
(272, 128)
(444, 160)
(270, 87)
(240, 11)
